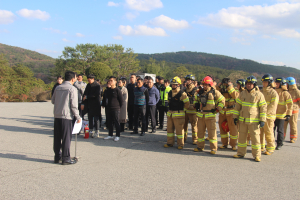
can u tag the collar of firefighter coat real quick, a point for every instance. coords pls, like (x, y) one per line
(190, 87)
(292, 87)
(266, 89)
(174, 92)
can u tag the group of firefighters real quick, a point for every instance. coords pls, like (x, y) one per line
(246, 113)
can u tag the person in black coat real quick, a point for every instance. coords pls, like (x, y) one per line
(59, 81)
(130, 88)
(92, 99)
(112, 101)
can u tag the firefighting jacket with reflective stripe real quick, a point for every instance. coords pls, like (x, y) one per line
(295, 94)
(285, 103)
(271, 98)
(230, 99)
(250, 107)
(184, 98)
(191, 93)
(216, 101)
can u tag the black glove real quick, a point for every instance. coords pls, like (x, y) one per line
(262, 124)
(213, 110)
(235, 120)
(287, 117)
(197, 106)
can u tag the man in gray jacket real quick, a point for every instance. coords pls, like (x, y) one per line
(65, 100)
(80, 85)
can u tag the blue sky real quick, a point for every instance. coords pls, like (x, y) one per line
(267, 31)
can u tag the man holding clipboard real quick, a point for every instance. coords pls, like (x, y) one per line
(65, 100)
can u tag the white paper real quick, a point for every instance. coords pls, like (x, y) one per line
(77, 127)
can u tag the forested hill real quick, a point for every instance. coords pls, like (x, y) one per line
(39, 63)
(224, 62)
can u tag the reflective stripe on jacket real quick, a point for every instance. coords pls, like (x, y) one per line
(230, 99)
(295, 94)
(184, 98)
(211, 103)
(285, 103)
(251, 107)
(271, 98)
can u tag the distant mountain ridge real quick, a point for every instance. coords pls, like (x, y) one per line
(42, 64)
(224, 62)
(39, 63)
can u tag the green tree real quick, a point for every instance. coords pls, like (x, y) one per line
(181, 71)
(100, 70)
(121, 61)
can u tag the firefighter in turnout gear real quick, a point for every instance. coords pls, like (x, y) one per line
(271, 98)
(190, 113)
(209, 101)
(250, 110)
(178, 100)
(228, 91)
(284, 109)
(295, 94)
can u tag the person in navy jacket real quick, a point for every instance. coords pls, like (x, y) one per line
(141, 99)
(151, 106)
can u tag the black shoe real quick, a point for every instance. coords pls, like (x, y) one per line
(57, 160)
(69, 162)
(160, 127)
(143, 133)
(153, 131)
(165, 130)
(278, 147)
(146, 130)
(134, 132)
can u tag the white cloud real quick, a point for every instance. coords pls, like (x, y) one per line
(6, 17)
(131, 16)
(118, 37)
(240, 40)
(272, 62)
(268, 37)
(290, 33)
(65, 40)
(278, 19)
(292, 1)
(143, 5)
(110, 3)
(55, 30)
(79, 35)
(183, 47)
(142, 30)
(169, 23)
(33, 14)
(4, 31)
(47, 51)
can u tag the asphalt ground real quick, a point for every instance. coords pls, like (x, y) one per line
(136, 167)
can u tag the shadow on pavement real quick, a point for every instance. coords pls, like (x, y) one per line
(26, 129)
(23, 157)
(49, 122)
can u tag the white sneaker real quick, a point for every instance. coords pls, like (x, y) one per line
(108, 137)
(117, 139)
(96, 134)
(91, 133)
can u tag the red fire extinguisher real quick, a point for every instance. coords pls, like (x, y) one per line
(86, 131)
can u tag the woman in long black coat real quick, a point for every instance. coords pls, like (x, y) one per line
(92, 99)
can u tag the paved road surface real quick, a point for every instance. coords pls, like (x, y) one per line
(134, 168)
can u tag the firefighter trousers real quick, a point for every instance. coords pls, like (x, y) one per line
(293, 126)
(267, 133)
(192, 117)
(254, 130)
(208, 123)
(232, 128)
(175, 123)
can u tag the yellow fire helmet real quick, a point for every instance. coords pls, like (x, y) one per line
(176, 80)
